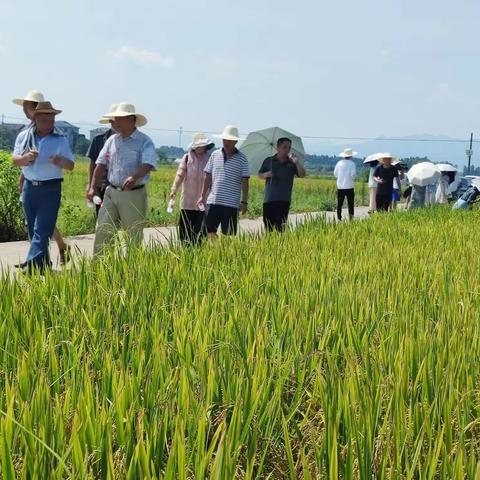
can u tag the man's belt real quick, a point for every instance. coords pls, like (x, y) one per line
(121, 189)
(41, 183)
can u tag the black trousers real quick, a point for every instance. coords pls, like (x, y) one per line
(191, 228)
(349, 193)
(275, 216)
(227, 217)
(383, 201)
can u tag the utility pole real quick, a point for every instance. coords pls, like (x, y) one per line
(180, 131)
(470, 154)
(3, 118)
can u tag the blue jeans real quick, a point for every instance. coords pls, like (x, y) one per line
(41, 205)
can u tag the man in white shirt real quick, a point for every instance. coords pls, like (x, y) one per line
(345, 174)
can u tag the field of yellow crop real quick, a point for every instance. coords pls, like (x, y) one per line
(335, 351)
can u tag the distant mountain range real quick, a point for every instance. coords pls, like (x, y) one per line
(438, 149)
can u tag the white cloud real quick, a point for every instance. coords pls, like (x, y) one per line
(142, 56)
(3, 49)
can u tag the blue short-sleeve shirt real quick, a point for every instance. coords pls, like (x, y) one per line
(41, 169)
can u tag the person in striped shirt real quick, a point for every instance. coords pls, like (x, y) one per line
(226, 184)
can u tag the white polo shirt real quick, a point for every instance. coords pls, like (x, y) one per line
(345, 173)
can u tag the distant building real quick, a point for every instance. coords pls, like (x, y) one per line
(70, 131)
(10, 131)
(97, 131)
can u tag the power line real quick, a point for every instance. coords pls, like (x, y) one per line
(181, 130)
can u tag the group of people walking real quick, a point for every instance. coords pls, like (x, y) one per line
(214, 183)
(215, 186)
(384, 183)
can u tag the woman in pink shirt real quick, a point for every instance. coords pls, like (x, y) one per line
(190, 178)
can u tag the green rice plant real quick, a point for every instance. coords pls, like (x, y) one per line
(334, 351)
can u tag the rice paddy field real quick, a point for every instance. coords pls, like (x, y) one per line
(345, 351)
(309, 194)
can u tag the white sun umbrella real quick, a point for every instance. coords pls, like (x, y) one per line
(423, 174)
(446, 167)
(373, 158)
(262, 144)
(476, 182)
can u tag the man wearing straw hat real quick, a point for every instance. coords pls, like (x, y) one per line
(226, 178)
(130, 156)
(94, 150)
(29, 104)
(43, 154)
(345, 173)
(385, 174)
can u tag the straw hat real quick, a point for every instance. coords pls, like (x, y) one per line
(395, 160)
(127, 110)
(347, 153)
(200, 140)
(104, 120)
(31, 96)
(229, 133)
(46, 107)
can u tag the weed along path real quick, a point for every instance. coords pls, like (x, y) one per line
(12, 253)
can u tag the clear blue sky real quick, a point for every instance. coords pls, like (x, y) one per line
(329, 68)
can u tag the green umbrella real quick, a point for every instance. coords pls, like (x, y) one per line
(262, 144)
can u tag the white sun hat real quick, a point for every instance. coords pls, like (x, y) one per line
(31, 96)
(347, 153)
(395, 160)
(126, 110)
(104, 120)
(200, 140)
(229, 133)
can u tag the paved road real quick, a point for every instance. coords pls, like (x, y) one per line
(12, 253)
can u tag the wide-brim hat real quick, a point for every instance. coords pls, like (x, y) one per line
(395, 160)
(31, 96)
(230, 132)
(347, 153)
(104, 120)
(127, 110)
(200, 140)
(46, 108)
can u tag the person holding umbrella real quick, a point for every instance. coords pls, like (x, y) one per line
(372, 161)
(443, 189)
(420, 176)
(278, 172)
(190, 178)
(345, 173)
(372, 188)
(385, 174)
